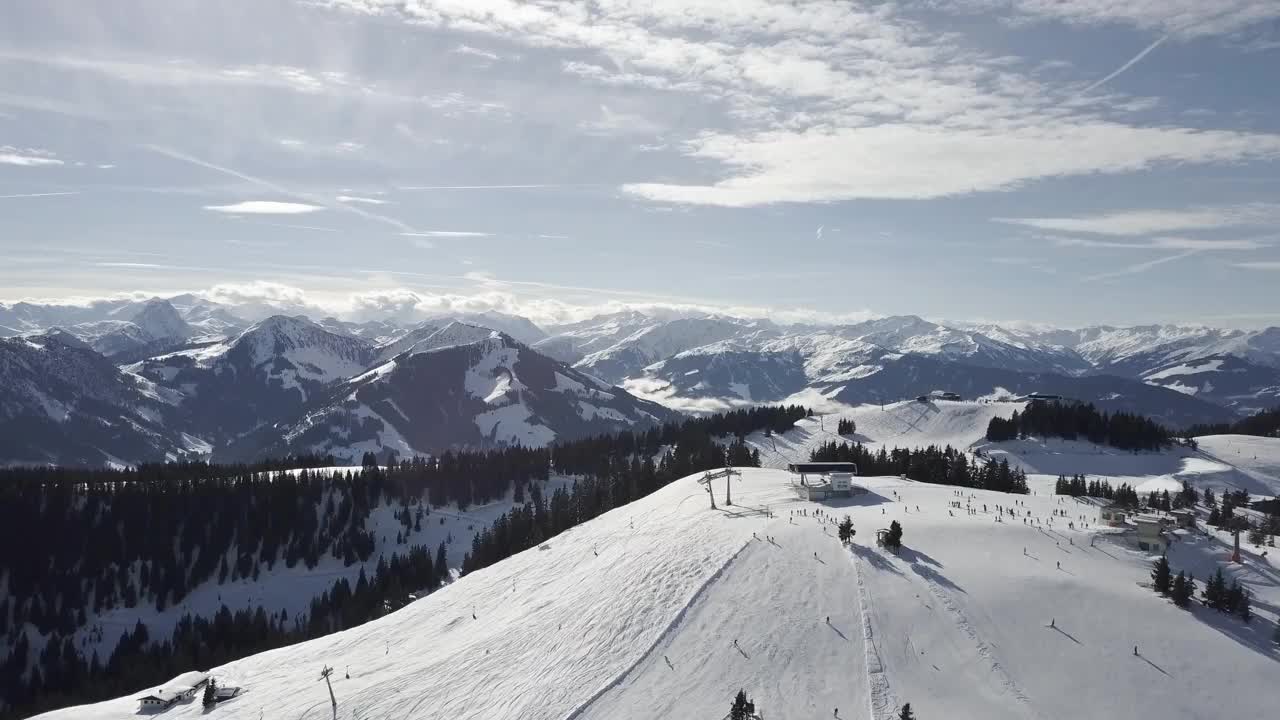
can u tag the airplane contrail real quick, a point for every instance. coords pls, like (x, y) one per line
(495, 187)
(1132, 61)
(342, 207)
(35, 195)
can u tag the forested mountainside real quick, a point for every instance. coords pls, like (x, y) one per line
(1122, 430)
(129, 585)
(1264, 423)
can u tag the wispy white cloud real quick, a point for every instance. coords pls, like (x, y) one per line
(1166, 243)
(663, 393)
(1259, 265)
(185, 73)
(908, 161)
(1147, 221)
(834, 100)
(27, 157)
(264, 207)
(611, 122)
(475, 52)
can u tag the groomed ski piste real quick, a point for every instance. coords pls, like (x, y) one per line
(665, 608)
(904, 424)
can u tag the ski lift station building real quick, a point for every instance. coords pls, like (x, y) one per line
(1151, 535)
(833, 479)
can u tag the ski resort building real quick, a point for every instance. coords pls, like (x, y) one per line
(180, 688)
(938, 395)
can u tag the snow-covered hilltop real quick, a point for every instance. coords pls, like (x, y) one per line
(666, 608)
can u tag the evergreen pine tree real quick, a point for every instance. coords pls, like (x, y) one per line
(1275, 636)
(1161, 576)
(893, 539)
(1234, 597)
(846, 530)
(1256, 536)
(210, 693)
(905, 713)
(1181, 591)
(742, 708)
(1211, 595)
(1244, 607)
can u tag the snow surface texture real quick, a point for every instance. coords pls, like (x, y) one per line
(665, 608)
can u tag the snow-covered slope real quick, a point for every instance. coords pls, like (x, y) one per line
(907, 424)
(666, 608)
(1258, 458)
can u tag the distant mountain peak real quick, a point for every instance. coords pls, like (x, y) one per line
(159, 319)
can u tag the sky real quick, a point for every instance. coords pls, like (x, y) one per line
(1066, 162)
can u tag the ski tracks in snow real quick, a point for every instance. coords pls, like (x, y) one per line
(984, 649)
(880, 700)
(662, 636)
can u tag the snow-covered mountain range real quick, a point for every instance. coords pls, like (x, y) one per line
(281, 382)
(708, 363)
